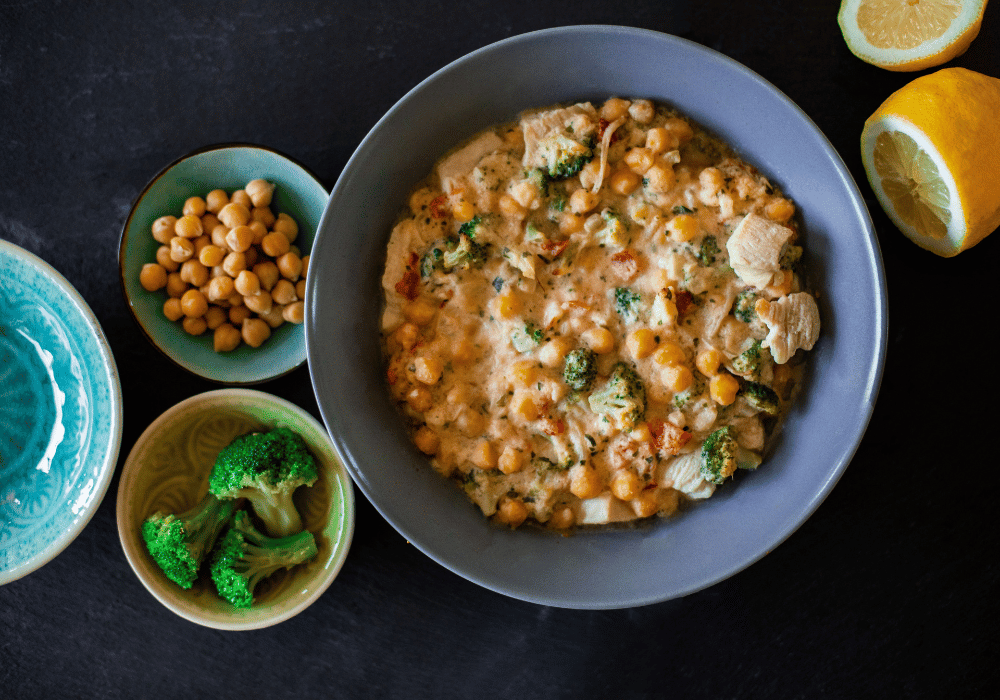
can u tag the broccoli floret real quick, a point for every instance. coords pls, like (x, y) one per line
(682, 398)
(527, 339)
(761, 397)
(708, 250)
(266, 468)
(614, 230)
(743, 306)
(179, 543)
(246, 556)
(432, 260)
(580, 369)
(567, 156)
(721, 455)
(471, 227)
(627, 303)
(623, 397)
(790, 255)
(750, 361)
(465, 253)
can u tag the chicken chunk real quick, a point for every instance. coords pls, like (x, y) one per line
(755, 249)
(554, 138)
(792, 322)
(453, 170)
(685, 473)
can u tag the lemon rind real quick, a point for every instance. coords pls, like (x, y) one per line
(952, 43)
(951, 244)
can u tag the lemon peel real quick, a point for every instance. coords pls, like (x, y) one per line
(931, 155)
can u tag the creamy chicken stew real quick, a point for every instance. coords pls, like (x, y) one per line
(594, 314)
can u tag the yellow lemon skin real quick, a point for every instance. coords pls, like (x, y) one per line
(958, 110)
(934, 53)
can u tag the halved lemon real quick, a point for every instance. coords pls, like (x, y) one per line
(908, 35)
(932, 155)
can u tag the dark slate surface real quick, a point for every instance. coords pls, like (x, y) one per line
(889, 590)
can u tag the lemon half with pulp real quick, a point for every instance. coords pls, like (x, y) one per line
(908, 35)
(932, 155)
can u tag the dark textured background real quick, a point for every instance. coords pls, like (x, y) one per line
(889, 590)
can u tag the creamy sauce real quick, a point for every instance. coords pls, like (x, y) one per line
(576, 301)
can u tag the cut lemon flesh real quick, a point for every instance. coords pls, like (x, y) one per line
(911, 181)
(896, 24)
(908, 35)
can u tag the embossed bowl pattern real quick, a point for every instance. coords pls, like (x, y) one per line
(60, 408)
(168, 470)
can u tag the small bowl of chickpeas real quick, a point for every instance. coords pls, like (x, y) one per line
(214, 257)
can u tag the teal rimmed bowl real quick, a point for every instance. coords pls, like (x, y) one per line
(61, 412)
(298, 193)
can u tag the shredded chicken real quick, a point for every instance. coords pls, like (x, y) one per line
(605, 145)
(792, 322)
(755, 249)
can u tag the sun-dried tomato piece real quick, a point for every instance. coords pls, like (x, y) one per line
(409, 285)
(555, 248)
(438, 208)
(667, 437)
(391, 375)
(625, 264)
(602, 125)
(683, 301)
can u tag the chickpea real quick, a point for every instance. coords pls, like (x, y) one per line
(510, 461)
(193, 272)
(268, 274)
(239, 239)
(251, 256)
(163, 228)
(188, 226)
(238, 314)
(255, 332)
(600, 340)
(181, 249)
(264, 215)
(284, 292)
(215, 200)
(194, 326)
(153, 277)
(483, 455)
(247, 283)
(215, 317)
(428, 369)
(220, 288)
(426, 440)
(194, 206)
(234, 214)
(234, 264)
(259, 231)
(218, 235)
(286, 225)
(226, 338)
(582, 201)
(585, 482)
(175, 285)
(200, 243)
(275, 244)
(290, 266)
(625, 485)
(193, 303)
(512, 511)
(172, 309)
(242, 198)
(164, 260)
(259, 302)
(305, 265)
(300, 289)
(562, 518)
(274, 316)
(295, 312)
(260, 192)
(211, 255)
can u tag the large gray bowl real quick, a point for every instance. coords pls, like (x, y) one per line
(744, 520)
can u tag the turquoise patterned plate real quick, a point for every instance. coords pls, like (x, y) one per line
(61, 412)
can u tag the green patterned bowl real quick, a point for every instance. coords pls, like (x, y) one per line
(168, 469)
(298, 193)
(60, 412)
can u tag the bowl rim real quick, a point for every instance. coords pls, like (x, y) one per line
(122, 249)
(872, 374)
(116, 412)
(235, 395)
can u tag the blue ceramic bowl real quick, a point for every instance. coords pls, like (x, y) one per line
(230, 167)
(744, 520)
(61, 412)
